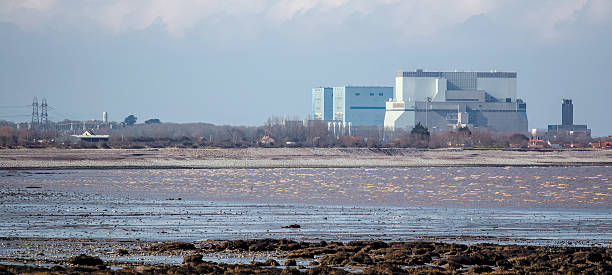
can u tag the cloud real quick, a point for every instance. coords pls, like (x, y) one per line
(548, 19)
(410, 19)
(598, 11)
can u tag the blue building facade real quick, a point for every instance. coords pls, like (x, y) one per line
(361, 105)
(322, 103)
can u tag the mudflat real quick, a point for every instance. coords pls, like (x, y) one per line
(11, 159)
(316, 211)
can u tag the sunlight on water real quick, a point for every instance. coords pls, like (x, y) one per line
(542, 205)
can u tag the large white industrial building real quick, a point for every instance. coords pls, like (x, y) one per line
(445, 100)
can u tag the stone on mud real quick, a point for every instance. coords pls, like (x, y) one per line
(86, 260)
(193, 259)
(170, 246)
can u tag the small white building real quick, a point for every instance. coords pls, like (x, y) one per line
(90, 136)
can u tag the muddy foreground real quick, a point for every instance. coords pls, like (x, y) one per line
(282, 256)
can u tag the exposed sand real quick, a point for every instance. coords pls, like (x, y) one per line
(290, 157)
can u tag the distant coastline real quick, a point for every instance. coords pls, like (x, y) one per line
(174, 158)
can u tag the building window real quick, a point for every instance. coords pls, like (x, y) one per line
(371, 94)
(380, 94)
(357, 93)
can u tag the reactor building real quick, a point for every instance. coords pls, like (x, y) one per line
(443, 101)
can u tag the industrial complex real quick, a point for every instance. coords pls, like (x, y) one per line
(439, 100)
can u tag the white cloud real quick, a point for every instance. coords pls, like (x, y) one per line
(427, 19)
(548, 18)
(411, 19)
(598, 11)
(30, 4)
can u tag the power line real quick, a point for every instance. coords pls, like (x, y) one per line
(27, 115)
(55, 110)
(15, 107)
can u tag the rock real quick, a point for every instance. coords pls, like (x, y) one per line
(396, 256)
(595, 257)
(383, 269)
(263, 245)
(86, 260)
(268, 262)
(290, 262)
(458, 259)
(237, 245)
(193, 260)
(271, 262)
(326, 270)
(291, 271)
(453, 265)
(482, 269)
(361, 258)
(419, 260)
(340, 258)
(310, 252)
(169, 246)
(292, 226)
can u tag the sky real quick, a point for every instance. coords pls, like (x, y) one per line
(239, 62)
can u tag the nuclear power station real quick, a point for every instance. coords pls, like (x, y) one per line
(438, 100)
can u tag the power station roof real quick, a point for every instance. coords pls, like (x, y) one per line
(490, 74)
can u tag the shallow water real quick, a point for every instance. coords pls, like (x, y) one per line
(540, 205)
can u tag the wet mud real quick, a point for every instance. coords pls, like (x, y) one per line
(534, 206)
(503, 220)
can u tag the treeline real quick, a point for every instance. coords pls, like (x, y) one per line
(276, 132)
(420, 137)
(10, 137)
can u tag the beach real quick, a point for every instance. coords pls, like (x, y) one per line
(290, 158)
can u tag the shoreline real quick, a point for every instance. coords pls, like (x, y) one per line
(257, 158)
(27, 168)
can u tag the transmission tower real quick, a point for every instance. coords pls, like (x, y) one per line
(35, 117)
(44, 117)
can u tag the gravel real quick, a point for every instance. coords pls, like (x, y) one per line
(290, 157)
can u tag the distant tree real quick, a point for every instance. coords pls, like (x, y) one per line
(518, 140)
(7, 123)
(7, 135)
(130, 120)
(482, 138)
(152, 121)
(420, 130)
(465, 130)
(372, 143)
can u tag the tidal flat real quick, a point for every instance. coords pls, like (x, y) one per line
(366, 219)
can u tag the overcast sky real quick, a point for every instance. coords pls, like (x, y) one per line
(239, 62)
